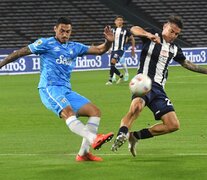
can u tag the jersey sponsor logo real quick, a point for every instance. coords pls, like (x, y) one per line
(164, 53)
(64, 60)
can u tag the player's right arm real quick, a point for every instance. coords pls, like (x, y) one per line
(15, 55)
(138, 31)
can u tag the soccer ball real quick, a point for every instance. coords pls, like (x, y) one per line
(140, 85)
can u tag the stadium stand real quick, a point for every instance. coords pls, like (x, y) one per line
(194, 15)
(23, 21)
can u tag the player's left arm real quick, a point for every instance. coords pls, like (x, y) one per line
(102, 48)
(193, 67)
(133, 45)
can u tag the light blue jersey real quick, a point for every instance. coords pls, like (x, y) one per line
(56, 60)
(56, 64)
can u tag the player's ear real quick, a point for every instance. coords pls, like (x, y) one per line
(164, 26)
(55, 28)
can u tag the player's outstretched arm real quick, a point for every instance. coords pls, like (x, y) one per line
(102, 48)
(15, 55)
(193, 67)
(133, 45)
(139, 31)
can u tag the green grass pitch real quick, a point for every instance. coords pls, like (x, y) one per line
(36, 145)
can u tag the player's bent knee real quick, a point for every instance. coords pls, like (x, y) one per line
(174, 127)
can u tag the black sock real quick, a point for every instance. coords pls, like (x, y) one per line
(117, 72)
(143, 134)
(123, 129)
(112, 71)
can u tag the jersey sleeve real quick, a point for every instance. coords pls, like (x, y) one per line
(179, 57)
(82, 49)
(39, 46)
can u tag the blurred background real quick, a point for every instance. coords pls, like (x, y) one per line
(23, 21)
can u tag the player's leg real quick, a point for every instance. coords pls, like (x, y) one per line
(126, 73)
(162, 109)
(114, 78)
(113, 70)
(169, 124)
(75, 125)
(55, 99)
(122, 61)
(83, 107)
(136, 107)
(92, 125)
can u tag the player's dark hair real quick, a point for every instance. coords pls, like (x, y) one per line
(63, 20)
(176, 20)
(119, 16)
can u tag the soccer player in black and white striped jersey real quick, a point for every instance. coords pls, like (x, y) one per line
(121, 35)
(158, 49)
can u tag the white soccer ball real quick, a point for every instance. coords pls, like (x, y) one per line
(140, 85)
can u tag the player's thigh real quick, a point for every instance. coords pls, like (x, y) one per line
(77, 101)
(89, 110)
(161, 106)
(115, 56)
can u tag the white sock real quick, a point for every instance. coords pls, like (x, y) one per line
(78, 127)
(92, 126)
(125, 68)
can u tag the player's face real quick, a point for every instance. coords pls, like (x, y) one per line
(170, 32)
(63, 32)
(119, 22)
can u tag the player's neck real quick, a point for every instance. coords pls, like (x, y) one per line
(60, 41)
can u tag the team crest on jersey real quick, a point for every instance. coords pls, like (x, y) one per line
(37, 43)
(63, 100)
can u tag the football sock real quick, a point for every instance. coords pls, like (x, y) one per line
(125, 68)
(123, 129)
(78, 128)
(112, 71)
(142, 134)
(92, 126)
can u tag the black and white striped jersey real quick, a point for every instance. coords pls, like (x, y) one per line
(120, 36)
(155, 58)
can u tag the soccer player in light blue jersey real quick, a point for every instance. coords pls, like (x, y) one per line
(57, 59)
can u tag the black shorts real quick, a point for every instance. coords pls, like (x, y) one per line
(157, 101)
(117, 55)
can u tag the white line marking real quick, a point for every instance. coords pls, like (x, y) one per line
(113, 154)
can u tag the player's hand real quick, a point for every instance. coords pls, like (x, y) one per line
(109, 36)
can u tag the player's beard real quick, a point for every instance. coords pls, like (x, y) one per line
(64, 39)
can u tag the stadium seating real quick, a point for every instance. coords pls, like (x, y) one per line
(23, 21)
(194, 15)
